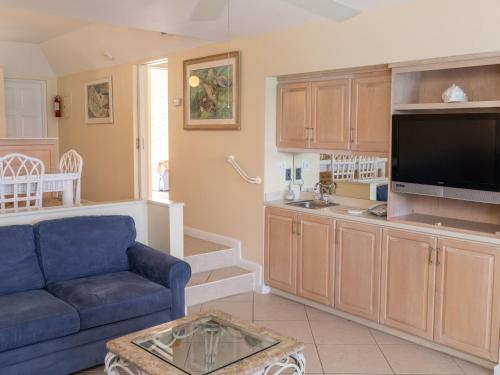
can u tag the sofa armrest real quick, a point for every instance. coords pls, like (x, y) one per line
(162, 269)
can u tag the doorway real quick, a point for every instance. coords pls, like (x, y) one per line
(152, 141)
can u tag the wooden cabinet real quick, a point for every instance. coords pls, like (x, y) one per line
(330, 114)
(315, 236)
(407, 285)
(281, 250)
(347, 112)
(293, 115)
(444, 290)
(299, 254)
(371, 113)
(357, 282)
(467, 305)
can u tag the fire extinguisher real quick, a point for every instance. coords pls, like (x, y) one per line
(57, 106)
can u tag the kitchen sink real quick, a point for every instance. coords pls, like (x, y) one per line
(312, 204)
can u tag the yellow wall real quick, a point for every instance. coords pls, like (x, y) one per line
(2, 104)
(107, 149)
(217, 200)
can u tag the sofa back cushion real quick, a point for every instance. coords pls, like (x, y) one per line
(19, 268)
(84, 246)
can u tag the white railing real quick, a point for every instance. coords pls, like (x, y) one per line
(251, 180)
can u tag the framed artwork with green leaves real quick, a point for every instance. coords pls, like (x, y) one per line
(212, 92)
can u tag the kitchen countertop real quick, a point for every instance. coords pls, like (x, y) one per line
(340, 213)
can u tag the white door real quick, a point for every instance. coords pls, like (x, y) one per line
(25, 108)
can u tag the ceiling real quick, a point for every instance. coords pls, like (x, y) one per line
(57, 17)
(31, 27)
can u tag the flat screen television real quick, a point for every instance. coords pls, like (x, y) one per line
(447, 155)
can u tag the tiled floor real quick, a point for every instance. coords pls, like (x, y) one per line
(195, 246)
(337, 346)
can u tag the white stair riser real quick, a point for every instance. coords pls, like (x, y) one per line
(219, 289)
(211, 261)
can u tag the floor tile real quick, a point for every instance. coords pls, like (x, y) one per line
(242, 310)
(384, 338)
(271, 307)
(472, 369)
(340, 332)
(353, 359)
(199, 278)
(297, 329)
(195, 309)
(415, 359)
(321, 316)
(242, 297)
(313, 364)
(195, 246)
(226, 272)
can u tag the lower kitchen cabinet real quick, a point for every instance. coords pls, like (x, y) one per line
(357, 282)
(315, 236)
(408, 282)
(281, 250)
(467, 303)
(300, 254)
(442, 289)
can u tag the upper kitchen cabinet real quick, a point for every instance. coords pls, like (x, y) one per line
(294, 115)
(371, 113)
(341, 111)
(330, 114)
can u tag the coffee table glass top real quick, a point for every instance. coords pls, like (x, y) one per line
(204, 345)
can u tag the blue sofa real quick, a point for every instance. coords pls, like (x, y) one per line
(68, 286)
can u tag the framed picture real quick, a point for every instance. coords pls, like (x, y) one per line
(99, 101)
(212, 92)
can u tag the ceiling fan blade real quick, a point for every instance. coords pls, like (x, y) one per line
(326, 8)
(208, 10)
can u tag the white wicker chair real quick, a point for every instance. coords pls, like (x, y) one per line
(72, 162)
(21, 179)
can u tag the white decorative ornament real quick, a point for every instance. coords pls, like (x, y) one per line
(454, 94)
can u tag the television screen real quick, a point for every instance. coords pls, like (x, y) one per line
(456, 150)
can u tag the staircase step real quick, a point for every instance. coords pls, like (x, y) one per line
(211, 261)
(197, 246)
(219, 283)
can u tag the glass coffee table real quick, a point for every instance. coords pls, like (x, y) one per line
(212, 342)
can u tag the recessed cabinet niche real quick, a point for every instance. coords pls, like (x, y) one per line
(347, 112)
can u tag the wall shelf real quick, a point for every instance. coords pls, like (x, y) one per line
(444, 106)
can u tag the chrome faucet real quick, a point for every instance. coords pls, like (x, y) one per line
(325, 190)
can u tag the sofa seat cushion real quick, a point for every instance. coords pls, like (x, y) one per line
(113, 297)
(19, 268)
(34, 316)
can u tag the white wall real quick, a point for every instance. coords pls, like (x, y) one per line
(27, 61)
(24, 60)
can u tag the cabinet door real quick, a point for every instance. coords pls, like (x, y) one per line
(371, 113)
(293, 115)
(281, 250)
(467, 305)
(408, 276)
(315, 236)
(357, 286)
(330, 114)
